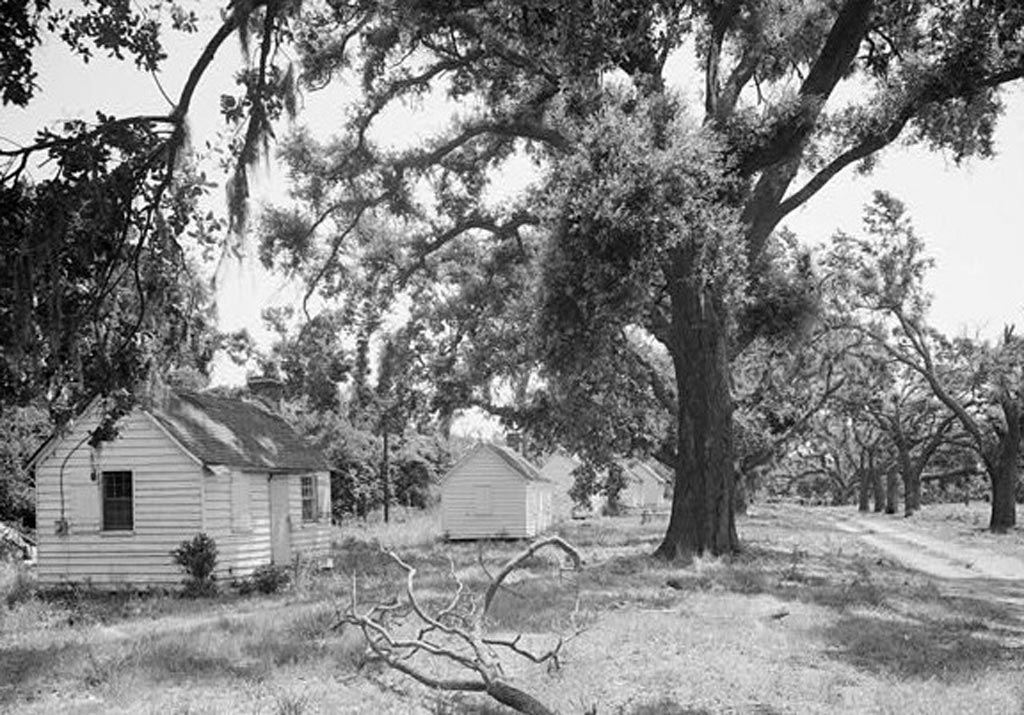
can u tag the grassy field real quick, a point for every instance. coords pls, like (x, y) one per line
(805, 620)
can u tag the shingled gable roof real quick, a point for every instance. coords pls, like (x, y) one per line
(515, 460)
(234, 433)
(641, 468)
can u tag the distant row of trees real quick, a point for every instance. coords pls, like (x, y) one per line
(872, 401)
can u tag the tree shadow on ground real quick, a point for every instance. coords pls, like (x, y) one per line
(920, 648)
(21, 668)
(891, 620)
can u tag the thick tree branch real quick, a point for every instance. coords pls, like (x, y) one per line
(465, 647)
(521, 128)
(779, 160)
(722, 15)
(738, 79)
(473, 222)
(517, 561)
(879, 140)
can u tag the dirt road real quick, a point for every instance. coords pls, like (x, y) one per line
(941, 558)
(959, 570)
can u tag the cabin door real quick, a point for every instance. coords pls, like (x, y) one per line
(280, 521)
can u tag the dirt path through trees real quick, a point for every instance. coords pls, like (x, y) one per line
(942, 558)
(959, 570)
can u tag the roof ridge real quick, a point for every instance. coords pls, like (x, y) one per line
(517, 461)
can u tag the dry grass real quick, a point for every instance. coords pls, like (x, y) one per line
(969, 524)
(408, 528)
(805, 620)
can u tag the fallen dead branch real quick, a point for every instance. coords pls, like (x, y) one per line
(455, 634)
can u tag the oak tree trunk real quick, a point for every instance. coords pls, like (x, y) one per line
(878, 489)
(892, 492)
(1003, 472)
(863, 489)
(911, 480)
(703, 516)
(385, 470)
(912, 492)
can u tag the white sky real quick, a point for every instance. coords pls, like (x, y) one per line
(969, 216)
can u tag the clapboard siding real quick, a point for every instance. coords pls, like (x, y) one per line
(240, 550)
(166, 486)
(252, 548)
(247, 549)
(483, 497)
(310, 539)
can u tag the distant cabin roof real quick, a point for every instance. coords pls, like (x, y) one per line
(516, 461)
(642, 468)
(665, 472)
(233, 432)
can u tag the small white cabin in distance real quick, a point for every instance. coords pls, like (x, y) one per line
(494, 493)
(559, 469)
(648, 485)
(195, 462)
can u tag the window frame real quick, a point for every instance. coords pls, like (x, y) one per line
(107, 523)
(308, 500)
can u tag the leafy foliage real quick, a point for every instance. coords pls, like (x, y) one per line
(267, 579)
(197, 557)
(22, 430)
(97, 293)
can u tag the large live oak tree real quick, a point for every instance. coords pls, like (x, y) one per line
(575, 82)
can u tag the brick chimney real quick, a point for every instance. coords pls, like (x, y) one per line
(514, 441)
(268, 390)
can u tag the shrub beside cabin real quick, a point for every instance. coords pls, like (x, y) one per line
(494, 493)
(228, 467)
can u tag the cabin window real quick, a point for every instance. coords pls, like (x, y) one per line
(118, 511)
(309, 511)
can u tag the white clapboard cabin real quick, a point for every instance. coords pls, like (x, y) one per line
(231, 468)
(558, 469)
(648, 485)
(494, 493)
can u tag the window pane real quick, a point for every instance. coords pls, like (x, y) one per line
(117, 501)
(308, 487)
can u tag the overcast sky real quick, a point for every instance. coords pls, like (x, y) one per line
(969, 216)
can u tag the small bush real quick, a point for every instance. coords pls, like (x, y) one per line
(198, 558)
(16, 583)
(269, 579)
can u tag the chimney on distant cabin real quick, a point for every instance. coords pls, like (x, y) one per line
(268, 390)
(514, 441)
